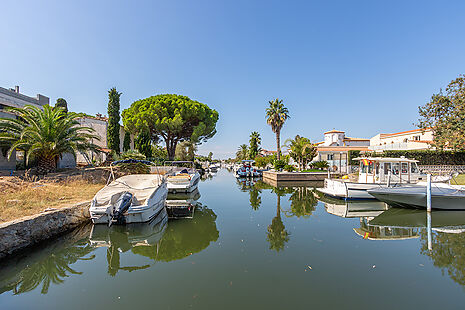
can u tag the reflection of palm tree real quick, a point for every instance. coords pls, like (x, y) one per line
(277, 235)
(53, 268)
(255, 199)
(303, 202)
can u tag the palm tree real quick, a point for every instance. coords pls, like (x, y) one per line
(277, 235)
(242, 152)
(254, 142)
(276, 116)
(301, 150)
(45, 134)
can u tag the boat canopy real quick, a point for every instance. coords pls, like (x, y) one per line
(388, 159)
(248, 161)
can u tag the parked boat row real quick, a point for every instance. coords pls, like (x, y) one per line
(141, 197)
(246, 170)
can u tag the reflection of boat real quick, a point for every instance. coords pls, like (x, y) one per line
(440, 220)
(129, 199)
(445, 197)
(131, 235)
(247, 170)
(372, 232)
(356, 209)
(185, 179)
(374, 172)
(182, 205)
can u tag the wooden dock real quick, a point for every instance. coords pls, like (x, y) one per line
(286, 179)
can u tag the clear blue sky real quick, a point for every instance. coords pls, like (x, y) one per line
(359, 66)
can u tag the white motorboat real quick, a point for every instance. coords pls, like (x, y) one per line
(247, 170)
(134, 198)
(182, 179)
(182, 205)
(374, 172)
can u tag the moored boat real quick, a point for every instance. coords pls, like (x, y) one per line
(182, 179)
(129, 199)
(374, 173)
(247, 170)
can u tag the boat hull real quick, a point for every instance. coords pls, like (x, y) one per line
(348, 190)
(184, 186)
(135, 214)
(415, 197)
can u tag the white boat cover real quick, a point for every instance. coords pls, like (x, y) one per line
(140, 185)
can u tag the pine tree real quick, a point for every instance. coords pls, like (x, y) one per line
(113, 120)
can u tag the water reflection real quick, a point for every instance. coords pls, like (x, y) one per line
(157, 240)
(277, 235)
(49, 265)
(184, 237)
(120, 239)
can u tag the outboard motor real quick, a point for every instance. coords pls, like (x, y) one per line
(122, 205)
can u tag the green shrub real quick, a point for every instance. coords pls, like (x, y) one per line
(279, 164)
(322, 164)
(289, 168)
(132, 154)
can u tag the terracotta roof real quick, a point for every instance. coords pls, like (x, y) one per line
(341, 148)
(334, 131)
(355, 139)
(404, 132)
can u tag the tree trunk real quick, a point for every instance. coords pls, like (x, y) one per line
(46, 165)
(170, 148)
(278, 147)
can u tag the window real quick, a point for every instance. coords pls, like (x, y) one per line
(413, 168)
(416, 138)
(395, 168)
(387, 168)
(404, 168)
(330, 156)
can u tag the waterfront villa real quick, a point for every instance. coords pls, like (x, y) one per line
(417, 139)
(13, 98)
(335, 147)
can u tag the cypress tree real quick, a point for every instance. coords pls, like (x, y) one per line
(127, 141)
(113, 121)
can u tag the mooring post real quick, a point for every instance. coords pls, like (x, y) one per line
(329, 174)
(428, 212)
(389, 179)
(428, 192)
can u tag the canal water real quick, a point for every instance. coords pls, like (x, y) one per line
(250, 246)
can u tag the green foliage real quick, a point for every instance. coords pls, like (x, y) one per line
(322, 164)
(210, 156)
(185, 151)
(143, 144)
(289, 168)
(45, 134)
(279, 164)
(127, 141)
(301, 150)
(242, 152)
(61, 103)
(276, 116)
(262, 161)
(159, 152)
(351, 155)
(113, 120)
(174, 118)
(445, 114)
(254, 145)
(133, 168)
(131, 154)
(303, 202)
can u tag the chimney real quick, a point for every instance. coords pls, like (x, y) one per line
(43, 100)
(17, 89)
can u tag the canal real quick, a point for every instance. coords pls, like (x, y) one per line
(250, 246)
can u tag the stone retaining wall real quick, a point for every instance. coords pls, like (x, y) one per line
(19, 234)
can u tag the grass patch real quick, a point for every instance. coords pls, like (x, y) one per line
(18, 200)
(313, 170)
(460, 180)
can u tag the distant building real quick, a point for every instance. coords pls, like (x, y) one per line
(335, 147)
(13, 98)
(417, 139)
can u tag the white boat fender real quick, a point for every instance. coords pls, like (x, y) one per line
(122, 205)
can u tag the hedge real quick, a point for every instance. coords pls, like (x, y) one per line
(425, 157)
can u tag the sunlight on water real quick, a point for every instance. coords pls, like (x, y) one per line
(249, 245)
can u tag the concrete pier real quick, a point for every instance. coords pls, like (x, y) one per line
(311, 179)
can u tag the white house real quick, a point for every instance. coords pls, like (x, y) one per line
(416, 139)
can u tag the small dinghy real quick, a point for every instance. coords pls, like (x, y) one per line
(133, 198)
(443, 196)
(182, 179)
